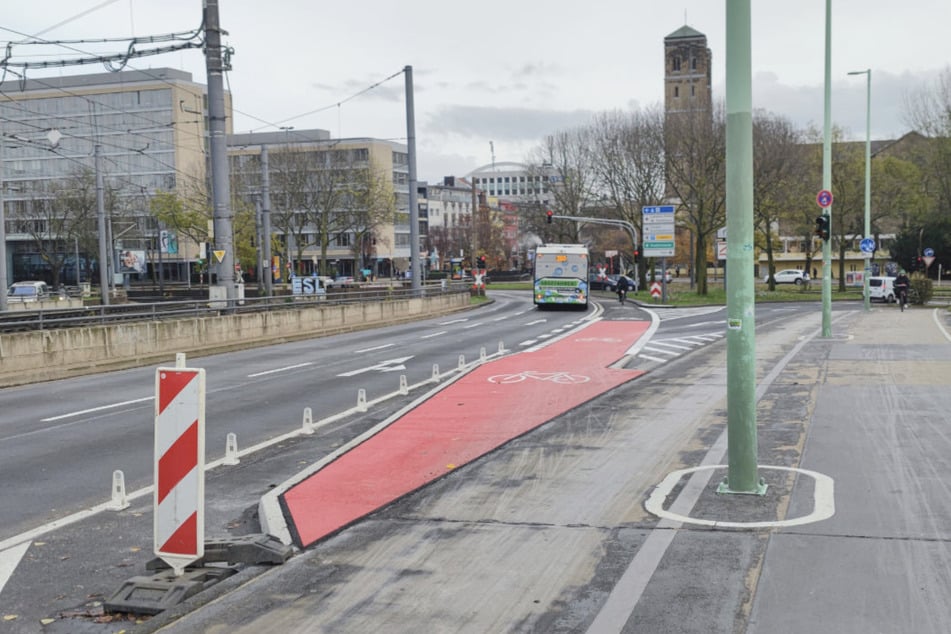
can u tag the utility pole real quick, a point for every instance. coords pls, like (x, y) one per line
(413, 203)
(103, 233)
(3, 234)
(220, 185)
(266, 221)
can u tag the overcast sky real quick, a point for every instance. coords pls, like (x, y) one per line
(508, 72)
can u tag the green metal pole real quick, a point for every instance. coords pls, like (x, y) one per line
(868, 180)
(741, 327)
(827, 181)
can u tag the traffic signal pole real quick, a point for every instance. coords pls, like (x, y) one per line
(827, 180)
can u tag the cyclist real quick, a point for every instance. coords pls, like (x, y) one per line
(902, 284)
(622, 288)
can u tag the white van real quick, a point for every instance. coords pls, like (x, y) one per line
(28, 292)
(882, 288)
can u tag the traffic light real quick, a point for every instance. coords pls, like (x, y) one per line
(822, 226)
(637, 253)
(482, 262)
(549, 215)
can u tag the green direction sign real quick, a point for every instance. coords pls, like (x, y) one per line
(659, 244)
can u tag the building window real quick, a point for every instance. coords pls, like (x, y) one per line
(693, 63)
(676, 63)
(676, 92)
(693, 91)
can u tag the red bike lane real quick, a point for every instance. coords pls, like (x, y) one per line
(495, 403)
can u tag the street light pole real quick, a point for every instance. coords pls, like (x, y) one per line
(3, 237)
(868, 174)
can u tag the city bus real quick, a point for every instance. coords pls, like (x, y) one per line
(560, 275)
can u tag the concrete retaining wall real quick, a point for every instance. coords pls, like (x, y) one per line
(55, 354)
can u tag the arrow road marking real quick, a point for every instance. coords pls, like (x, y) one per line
(9, 559)
(383, 366)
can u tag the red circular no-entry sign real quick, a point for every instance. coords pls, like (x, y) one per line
(824, 198)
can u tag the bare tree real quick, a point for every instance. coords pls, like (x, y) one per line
(566, 158)
(628, 161)
(62, 216)
(368, 205)
(696, 175)
(929, 112)
(778, 171)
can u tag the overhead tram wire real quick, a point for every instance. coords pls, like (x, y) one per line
(336, 104)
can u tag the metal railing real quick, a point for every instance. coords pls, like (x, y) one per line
(158, 309)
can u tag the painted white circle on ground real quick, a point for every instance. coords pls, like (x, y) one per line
(823, 500)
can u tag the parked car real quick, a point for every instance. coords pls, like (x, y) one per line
(28, 292)
(663, 276)
(882, 288)
(788, 276)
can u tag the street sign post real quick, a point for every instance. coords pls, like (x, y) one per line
(658, 229)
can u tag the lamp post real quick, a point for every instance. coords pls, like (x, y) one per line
(868, 174)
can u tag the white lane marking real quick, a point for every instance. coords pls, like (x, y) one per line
(276, 370)
(703, 323)
(9, 559)
(528, 342)
(521, 312)
(649, 358)
(689, 342)
(544, 336)
(433, 334)
(374, 348)
(708, 337)
(454, 321)
(96, 409)
(660, 351)
(501, 318)
(383, 366)
(475, 325)
(537, 321)
(669, 345)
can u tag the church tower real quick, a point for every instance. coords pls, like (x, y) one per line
(687, 62)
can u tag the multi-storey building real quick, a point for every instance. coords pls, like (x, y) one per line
(150, 131)
(356, 190)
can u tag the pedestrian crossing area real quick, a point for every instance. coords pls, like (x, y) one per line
(664, 350)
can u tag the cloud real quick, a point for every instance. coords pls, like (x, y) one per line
(516, 124)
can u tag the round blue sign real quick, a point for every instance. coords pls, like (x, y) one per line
(929, 253)
(867, 245)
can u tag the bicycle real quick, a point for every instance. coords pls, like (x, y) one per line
(902, 298)
(621, 295)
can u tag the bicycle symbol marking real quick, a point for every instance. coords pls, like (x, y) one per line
(562, 378)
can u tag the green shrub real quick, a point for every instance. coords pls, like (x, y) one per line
(923, 287)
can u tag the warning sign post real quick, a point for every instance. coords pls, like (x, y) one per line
(179, 514)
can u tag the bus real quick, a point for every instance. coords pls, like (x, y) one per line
(560, 275)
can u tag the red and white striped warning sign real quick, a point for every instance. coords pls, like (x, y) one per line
(179, 514)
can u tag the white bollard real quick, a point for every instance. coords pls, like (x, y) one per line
(462, 362)
(179, 359)
(308, 427)
(482, 353)
(231, 450)
(119, 500)
(435, 372)
(404, 386)
(362, 400)
(501, 347)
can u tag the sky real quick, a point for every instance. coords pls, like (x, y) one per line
(492, 79)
